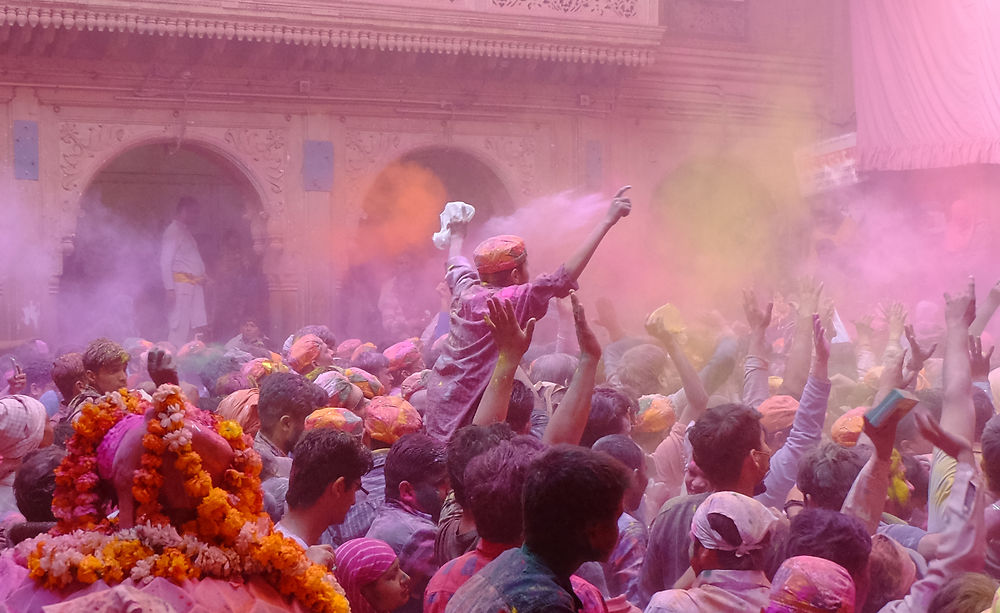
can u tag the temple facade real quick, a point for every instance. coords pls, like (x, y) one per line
(289, 120)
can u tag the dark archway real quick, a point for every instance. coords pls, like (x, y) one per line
(111, 283)
(394, 266)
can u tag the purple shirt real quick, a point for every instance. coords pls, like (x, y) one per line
(466, 364)
(410, 533)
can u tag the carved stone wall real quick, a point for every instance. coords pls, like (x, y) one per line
(259, 154)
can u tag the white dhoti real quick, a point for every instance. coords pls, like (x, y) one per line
(188, 312)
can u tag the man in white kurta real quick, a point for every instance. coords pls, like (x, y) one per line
(183, 274)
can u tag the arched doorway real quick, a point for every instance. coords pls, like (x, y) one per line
(389, 291)
(111, 283)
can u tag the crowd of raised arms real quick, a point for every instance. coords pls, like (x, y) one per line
(776, 463)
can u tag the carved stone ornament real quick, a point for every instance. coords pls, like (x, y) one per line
(80, 144)
(621, 8)
(338, 25)
(266, 149)
(518, 154)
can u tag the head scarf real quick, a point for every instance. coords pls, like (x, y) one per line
(346, 349)
(258, 368)
(22, 425)
(304, 352)
(335, 418)
(846, 430)
(777, 413)
(405, 354)
(500, 253)
(362, 348)
(359, 563)
(656, 414)
(814, 585)
(388, 418)
(108, 448)
(752, 519)
(191, 349)
(368, 382)
(241, 407)
(340, 389)
(414, 383)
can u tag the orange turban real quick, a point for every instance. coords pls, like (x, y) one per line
(656, 414)
(304, 352)
(241, 407)
(368, 382)
(346, 349)
(405, 354)
(777, 413)
(846, 430)
(500, 253)
(362, 348)
(389, 418)
(335, 418)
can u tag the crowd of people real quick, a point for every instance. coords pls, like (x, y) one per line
(717, 466)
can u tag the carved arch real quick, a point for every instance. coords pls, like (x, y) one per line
(258, 155)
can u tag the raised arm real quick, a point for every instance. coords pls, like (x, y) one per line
(985, 311)
(800, 353)
(807, 428)
(512, 341)
(570, 419)
(755, 373)
(957, 414)
(620, 207)
(962, 538)
(694, 389)
(866, 500)
(457, 239)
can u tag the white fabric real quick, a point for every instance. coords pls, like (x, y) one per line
(188, 313)
(753, 521)
(22, 424)
(926, 82)
(179, 253)
(453, 211)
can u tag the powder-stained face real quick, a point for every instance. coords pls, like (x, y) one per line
(110, 378)
(390, 591)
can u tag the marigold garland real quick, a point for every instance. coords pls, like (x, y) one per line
(76, 502)
(231, 538)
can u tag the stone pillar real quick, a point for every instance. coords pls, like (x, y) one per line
(27, 306)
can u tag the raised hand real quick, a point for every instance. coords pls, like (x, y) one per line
(960, 310)
(820, 341)
(918, 356)
(892, 376)
(807, 300)
(864, 330)
(953, 445)
(17, 383)
(895, 318)
(589, 345)
(161, 368)
(758, 319)
(979, 364)
(512, 340)
(620, 207)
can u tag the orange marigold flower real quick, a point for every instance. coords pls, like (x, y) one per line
(88, 570)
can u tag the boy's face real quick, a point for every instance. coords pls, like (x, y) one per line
(250, 331)
(109, 378)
